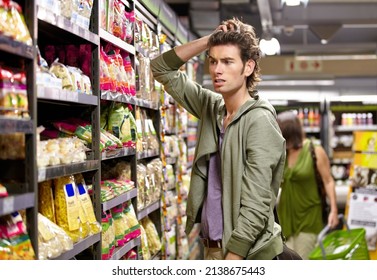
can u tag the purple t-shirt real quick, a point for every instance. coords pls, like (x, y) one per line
(212, 212)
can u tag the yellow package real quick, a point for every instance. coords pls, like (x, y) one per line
(67, 207)
(86, 205)
(46, 200)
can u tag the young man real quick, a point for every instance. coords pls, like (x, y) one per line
(240, 152)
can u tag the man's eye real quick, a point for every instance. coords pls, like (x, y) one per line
(212, 62)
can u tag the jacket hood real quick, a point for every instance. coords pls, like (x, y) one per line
(249, 105)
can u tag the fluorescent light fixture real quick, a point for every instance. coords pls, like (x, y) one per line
(365, 99)
(292, 3)
(277, 97)
(337, 57)
(269, 46)
(279, 102)
(298, 83)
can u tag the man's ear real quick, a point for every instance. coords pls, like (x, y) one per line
(249, 67)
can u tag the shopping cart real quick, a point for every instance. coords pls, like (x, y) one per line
(348, 244)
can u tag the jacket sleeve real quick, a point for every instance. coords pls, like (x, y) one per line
(265, 152)
(187, 93)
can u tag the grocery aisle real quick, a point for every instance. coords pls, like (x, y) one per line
(95, 157)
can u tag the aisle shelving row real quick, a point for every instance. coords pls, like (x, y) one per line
(51, 33)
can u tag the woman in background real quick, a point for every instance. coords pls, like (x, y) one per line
(300, 210)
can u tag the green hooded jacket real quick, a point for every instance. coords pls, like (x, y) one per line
(253, 157)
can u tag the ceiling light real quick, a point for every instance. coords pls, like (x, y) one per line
(292, 3)
(365, 99)
(270, 46)
(297, 83)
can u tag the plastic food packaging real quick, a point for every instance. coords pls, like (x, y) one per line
(52, 240)
(46, 200)
(15, 243)
(67, 207)
(86, 204)
(62, 72)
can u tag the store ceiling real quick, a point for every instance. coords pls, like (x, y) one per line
(349, 26)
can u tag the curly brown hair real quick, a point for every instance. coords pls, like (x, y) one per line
(242, 35)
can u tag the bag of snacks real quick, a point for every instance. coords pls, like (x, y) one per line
(15, 243)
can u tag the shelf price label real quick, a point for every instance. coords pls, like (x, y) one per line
(8, 204)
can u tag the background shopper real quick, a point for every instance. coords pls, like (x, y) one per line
(300, 210)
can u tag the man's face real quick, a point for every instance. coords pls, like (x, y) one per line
(227, 70)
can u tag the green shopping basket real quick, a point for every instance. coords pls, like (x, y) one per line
(348, 244)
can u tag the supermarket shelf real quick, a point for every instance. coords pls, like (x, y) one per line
(122, 152)
(51, 172)
(11, 46)
(341, 161)
(79, 247)
(119, 199)
(119, 97)
(312, 129)
(171, 160)
(17, 202)
(66, 25)
(149, 209)
(116, 41)
(121, 251)
(148, 154)
(9, 125)
(66, 96)
(348, 128)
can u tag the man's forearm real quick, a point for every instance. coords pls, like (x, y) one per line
(191, 49)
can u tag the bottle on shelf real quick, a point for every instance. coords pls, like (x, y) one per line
(311, 117)
(369, 118)
(317, 117)
(306, 117)
(301, 116)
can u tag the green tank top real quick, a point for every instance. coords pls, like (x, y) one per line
(299, 207)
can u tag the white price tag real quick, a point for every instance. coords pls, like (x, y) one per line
(8, 204)
(41, 174)
(75, 29)
(55, 93)
(41, 91)
(73, 96)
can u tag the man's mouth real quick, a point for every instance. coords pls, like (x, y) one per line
(219, 81)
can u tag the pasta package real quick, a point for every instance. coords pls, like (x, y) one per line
(46, 200)
(86, 204)
(67, 207)
(52, 240)
(62, 72)
(144, 244)
(154, 242)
